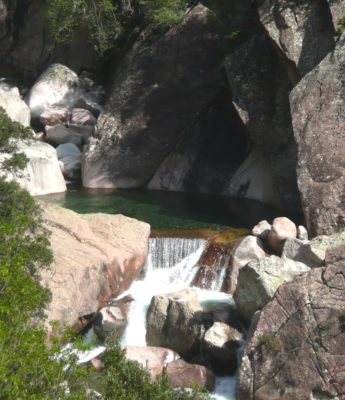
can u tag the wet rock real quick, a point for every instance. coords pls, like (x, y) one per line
(220, 345)
(262, 229)
(54, 115)
(56, 86)
(155, 359)
(295, 348)
(303, 30)
(317, 109)
(258, 282)
(14, 106)
(182, 374)
(174, 321)
(96, 257)
(80, 116)
(112, 319)
(250, 248)
(69, 160)
(282, 229)
(138, 127)
(42, 175)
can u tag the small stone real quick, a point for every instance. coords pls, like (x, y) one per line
(302, 233)
(282, 229)
(262, 229)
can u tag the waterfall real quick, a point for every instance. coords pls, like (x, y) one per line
(167, 252)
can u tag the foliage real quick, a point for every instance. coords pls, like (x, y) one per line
(341, 25)
(271, 342)
(99, 17)
(165, 12)
(124, 379)
(28, 368)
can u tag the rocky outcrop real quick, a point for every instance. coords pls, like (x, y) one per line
(295, 348)
(96, 257)
(303, 30)
(14, 106)
(42, 175)
(317, 107)
(260, 86)
(258, 282)
(159, 89)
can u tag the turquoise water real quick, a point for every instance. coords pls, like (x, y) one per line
(169, 210)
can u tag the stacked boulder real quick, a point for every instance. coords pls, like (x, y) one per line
(66, 106)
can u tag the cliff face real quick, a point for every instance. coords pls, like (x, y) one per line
(172, 120)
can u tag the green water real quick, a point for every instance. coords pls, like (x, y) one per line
(169, 210)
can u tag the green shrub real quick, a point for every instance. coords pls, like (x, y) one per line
(271, 342)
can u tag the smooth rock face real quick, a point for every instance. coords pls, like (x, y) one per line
(96, 257)
(296, 346)
(69, 160)
(14, 106)
(57, 85)
(250, 248)
(182, 374)
(174, 321)
(155, 359)
(317, 108)
(260, 86)
(282, 229)
(42, 174)
(258, 282)
(151, 103)
(220, 345)
(303, 30)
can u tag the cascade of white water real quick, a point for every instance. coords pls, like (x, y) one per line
(167, 252)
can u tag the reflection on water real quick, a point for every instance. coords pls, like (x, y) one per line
(169, 210)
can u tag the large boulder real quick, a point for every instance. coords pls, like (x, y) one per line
(260, 86)
(155, 359)
(158, 91)
(282, 228)
(296, 346)
(69, 160)
(96, 257)
(258, 282)
(317, 108)
(42, 175)
(174, 321)
(302, 29)
(182, 374)
(76, 134)
(56, 86)
(14, 106)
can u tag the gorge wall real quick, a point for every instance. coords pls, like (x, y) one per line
(187, 109)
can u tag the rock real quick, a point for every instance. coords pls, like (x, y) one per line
(303, 30)
(182, 374)
(56, 86)
(337, 8)
(282, 229)
(250, 248)
(54, 115)
(42, 174)
(14, 106)
(155, 359)
(174, 321)
(260, 86)
(300, 250)
(69, 160)
(317, 105)
(112, 318)
(138, 127)
(302, 233)
(262, 229)
(319, 245)
(258, 282)
(82, 117)
(60, 134)
(220, 346)
(295, 347)
(96, 257)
